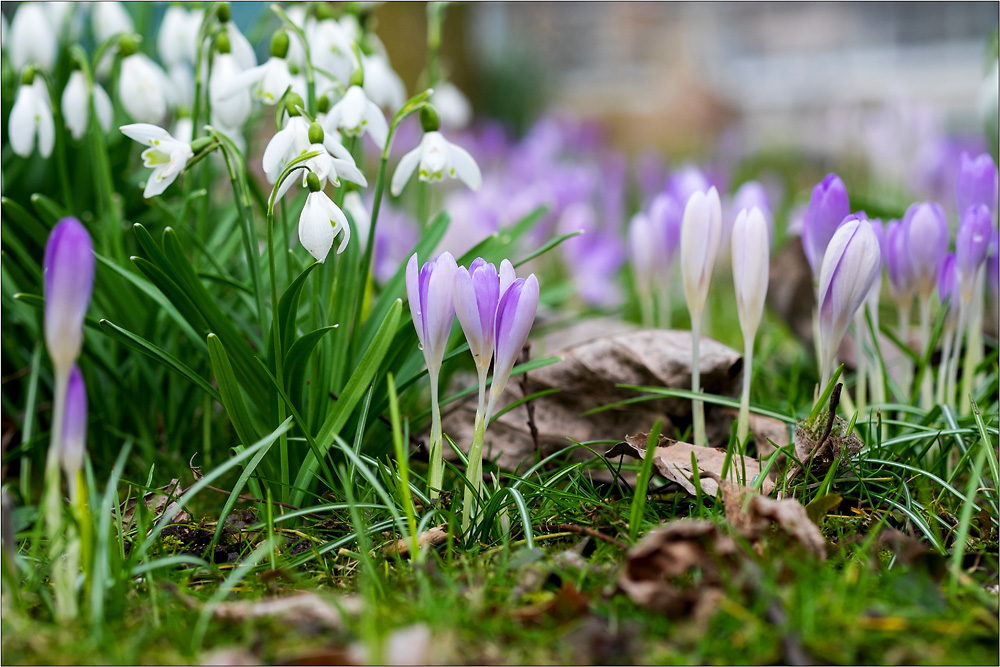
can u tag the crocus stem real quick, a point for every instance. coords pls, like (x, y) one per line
(743, 427)
(53, 505)
(951, 385)
(974, 340)
(926, 390)
(436, 442)
(944, 374)
(906, 370)
(647, 308)
(474, 472)
(861, 385)
(697, 407)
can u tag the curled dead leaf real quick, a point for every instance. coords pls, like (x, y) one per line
(673, 461)
(567, 604)
(754, 516)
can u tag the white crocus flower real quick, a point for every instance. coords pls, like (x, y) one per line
(31, 116)
(355, 114)
(177, 41)
(320, 222)
(33, 40)
(437, 157)
(143, 89)
(76, 105)
(382, 85)
(166, 156)
(452, 106)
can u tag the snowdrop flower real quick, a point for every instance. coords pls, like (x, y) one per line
(33, 40)
(267, 82)
(851, 264)
(166, 156)
(976, 183)
(828, 206)
(143, 88)
(68, 269)
(177, 41)
(181, 78)
(231, 105)
(381, 84)
(430, 293)
(751, 263)
(321, 221)
(109, 19)
(74, 442)
(355, 114)
(701, 237)
(436, 157)
(299, 137)
(331, 48)
(452, 106)
(76, 105)
(31, 117)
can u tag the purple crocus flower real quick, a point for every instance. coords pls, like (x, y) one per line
(515, 315)
(652, 174)
(828, 206)
(477, 293)
(850, 266)
(69, 281)
(432, 306)
(973, 240)
(686, 181)
(976, 182)
(926, 243)
(897, 262)
(666, 214)
(74, 426)
(947, 283)
(993, 264)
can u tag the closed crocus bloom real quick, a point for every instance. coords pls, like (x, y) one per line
(926, 243)
(828, 206)
(897, 261)
(69, 281)
(515, 315)
(143, 89)
(74, 443)
(751, 261)
(430, 293)
(436, 157)
(33, 40)
(642, 248)
(667, 216)
(973, 240)
(753, 195)
(686, 181)
(701, 235)
(477, 293)
(993, 265)
(31, 117)
(76, 105)
(850, 266)
(947, 286)
(976, 182)
(166, 156)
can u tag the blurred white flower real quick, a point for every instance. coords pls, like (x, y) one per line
(143, 89)
(382, 85)
(177, 41)
(32, 38)
(452, 106)
(166, 156)
(76, 105)
(436, 157)
(181, 78)
(31, 116)
(108, 19)
(266, 83)
(231, 105)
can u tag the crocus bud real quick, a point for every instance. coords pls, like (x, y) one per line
(666, 216)
(828, 206)
(897, 262)
(477, 294)
(701, 236)
(947, 284)
(515, 315)
(69, 280)
(926, 242)
(751, 262)
(642, 248)
(432, 305)
(850, 266)
(686, 181)
(750, 195)
(973, 240)
(976, 182)
(993, 264)
(74, 442)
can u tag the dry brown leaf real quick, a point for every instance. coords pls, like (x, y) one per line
(754, 515)
(587, 378)
(434, 537)
(298, 609)
(673, 461)
(567, 604)
(157, 503)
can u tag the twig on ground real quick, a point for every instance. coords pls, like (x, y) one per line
(586, 530)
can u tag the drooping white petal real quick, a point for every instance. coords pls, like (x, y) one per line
(74, 104)
(22, 124)
(232, 106)
(404, 170)
(143, 88)
(464, 167)
(375, 124)
(382, 85)
(315, 227)
(348, 171)
(109, 19)
(146, 133)
(32, 38)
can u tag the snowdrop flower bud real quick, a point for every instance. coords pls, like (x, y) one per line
(436, 157)
(355, 115)
(74, 443)
(976, 182)
(973, 240)
(851, 264)
(515, 315)
(477, 294)
(320, 222)
(109, 19)
(231, 106)
(751, 262)
(33, 40)
(828, 206)
(30, 117)
(69, 280)
(142, 86)
(166, 156)
(701, 235)
(926, 243)
(430, 294)
(76, 105)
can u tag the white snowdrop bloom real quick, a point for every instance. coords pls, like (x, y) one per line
(177, 41)
(181, 78)
(183, 130)
(240, 47)
(108, 19)
(320, 223)
(355, 115)
(333, 162)
(452, 106)
(232, 106)
(30, 117)
(266, 83)
(286, 144)
(382, 85)
(331, 48)
(143, 89)
(166, 156)
(32, 38)
(60, 14)
(76, 105)
(436, 157)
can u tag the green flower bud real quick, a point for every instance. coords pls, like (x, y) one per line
(316, 133)
(293, 102)
(279, 44)
(224, 13)
(127, 46)
(200, 143)
(323, 104)
(429, 119)
(323, 11)
(358, 77)
(222, 42)
(312, 180)
(28, 76)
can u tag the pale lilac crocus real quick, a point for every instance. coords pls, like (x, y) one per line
(828, 206)
(976, 182)
(752, 195)
(901, 288)
(949, 293)
(850, 265)
(515, 315)
(430, 292)
(701, 237)
(74, 442)
(751, 263)
(666, 215)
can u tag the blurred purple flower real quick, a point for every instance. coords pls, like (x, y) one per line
(926, 241)
(947, 283)
(396, 234)
(897, 262)
(686, 181)
(976, 182)
(828, 206)
(651, 175)
(973, 240)
(69, 281)
(993, 265)
(74, 441)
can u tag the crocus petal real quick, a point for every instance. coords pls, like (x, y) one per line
(700, 238)
(68, 282)
(413, 296)
(467, 310)
(973, 240)
(74, 443)
(464, 167)
(507, 275)
(926, 242)
(439, 306)
(404, 170)
(750, 246)
(515, 315)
